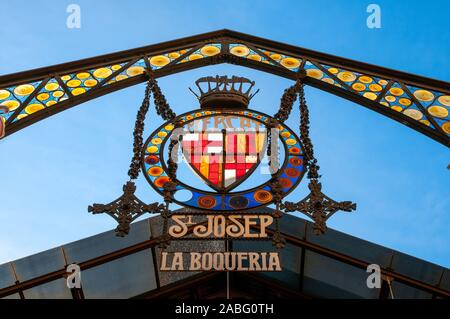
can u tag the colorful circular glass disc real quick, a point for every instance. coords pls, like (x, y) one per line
(221, 197)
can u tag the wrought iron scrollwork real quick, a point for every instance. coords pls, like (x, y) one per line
(169, 189)
(278, 240)
(135, 165)
(287, 101)
(316, 205)
(128, 207)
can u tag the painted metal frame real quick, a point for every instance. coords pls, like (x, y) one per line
(151, 243)
(319, 67)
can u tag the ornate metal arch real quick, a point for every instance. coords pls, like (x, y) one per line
(418, 102)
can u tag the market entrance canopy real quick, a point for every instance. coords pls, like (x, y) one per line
(418, 102)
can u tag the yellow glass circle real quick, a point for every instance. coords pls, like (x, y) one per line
(358, 86)
(43, 96)
(21, 116)
(446, 127)
(240, 50)
(102, 73)
(116, 67)
(78, 91)
(445, 100)
(73, 83)
(83, 75)
(370, 95)
(276, 56)
(384, 103)
(438, 111)
(90, 82)
(210, 50)
(195, 56)
(404, 101)
(174, 55)
(162, 134)
(121, 77)
(4, 94)
(152, 149)
(424, 95)
(11, 104)
(346, 76)
(58, 93)
(24, 89)
(397, 108)
(291, 63)
(415, 114)
(50, 103)
(375, 87)
(426, 122)
(333, 70)
(396, 91)
(285, 134)
(314, 73)
(365, 79)
(390, 98)
(65, 77)
(51, 86)
(291, 141)
(328, 80)
(382, 82)
(135, 70)
(169, 127)
(156, 141)
(254, 57)
(32, 108)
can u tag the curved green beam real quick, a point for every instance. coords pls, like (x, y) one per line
(418, 102)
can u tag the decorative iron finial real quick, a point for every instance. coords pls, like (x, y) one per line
(126, 209)
(224, 92)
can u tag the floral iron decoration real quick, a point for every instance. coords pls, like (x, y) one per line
(316, 205)
(128, 207)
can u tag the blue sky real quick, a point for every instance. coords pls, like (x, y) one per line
(51, 171)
